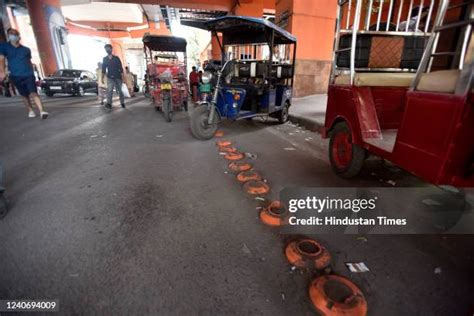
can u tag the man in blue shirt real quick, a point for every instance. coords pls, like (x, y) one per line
(20, 71)
(112, 68)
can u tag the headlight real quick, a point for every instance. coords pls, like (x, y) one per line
(206, 77)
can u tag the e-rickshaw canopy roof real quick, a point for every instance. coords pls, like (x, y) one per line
(165, 43)
(247, 30)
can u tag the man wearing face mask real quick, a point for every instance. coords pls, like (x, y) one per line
(112, 68)
(21, 71)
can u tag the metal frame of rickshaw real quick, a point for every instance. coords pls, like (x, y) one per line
(166, 44)
(270, 35)
(435, 131)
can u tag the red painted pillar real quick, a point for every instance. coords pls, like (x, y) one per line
(117, 50)
(43, 13)
(312, 22)
(249, 8)
(215, 48)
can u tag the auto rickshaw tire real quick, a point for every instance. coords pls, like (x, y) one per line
(3, 206)
(199, 127)
(283, 115)
(167, 110)
(185, 105)
(168, 116)
(49, 94)
(351, 164)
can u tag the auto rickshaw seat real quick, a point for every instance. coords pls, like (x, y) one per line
(407, 55)
(377, 79)
(249, 69)
(443, 81)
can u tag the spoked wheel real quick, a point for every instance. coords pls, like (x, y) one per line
(3, 206)
(346, 157)
(200, 127)
(167, 109)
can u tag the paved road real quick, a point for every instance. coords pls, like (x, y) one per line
(124, 213)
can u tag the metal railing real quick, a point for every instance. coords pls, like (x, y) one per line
(465, 67)
(350, 12)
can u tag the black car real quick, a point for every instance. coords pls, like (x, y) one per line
(70, 81)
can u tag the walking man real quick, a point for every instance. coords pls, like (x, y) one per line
(21, 71)
(112, 68)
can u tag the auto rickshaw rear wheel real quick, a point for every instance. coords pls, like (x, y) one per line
(284, 114)
(200, 128)
(347, 158)
(185, 105)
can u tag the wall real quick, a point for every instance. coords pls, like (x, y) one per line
(313, 23)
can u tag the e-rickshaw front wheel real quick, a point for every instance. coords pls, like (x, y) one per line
(167, 109)
(200, 127)
(347, 158)
(284, 114)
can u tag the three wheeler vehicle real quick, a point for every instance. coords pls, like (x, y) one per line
(256, 78)
(401, 89)
(166, 73)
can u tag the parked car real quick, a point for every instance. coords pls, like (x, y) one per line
(70, 81)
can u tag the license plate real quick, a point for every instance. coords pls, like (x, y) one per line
(166, 86)
(54, 88)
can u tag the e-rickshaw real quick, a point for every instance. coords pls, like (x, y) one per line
(256, 78)
(401, 88)
(166, 73)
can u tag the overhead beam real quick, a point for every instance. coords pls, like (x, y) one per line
(221, 5)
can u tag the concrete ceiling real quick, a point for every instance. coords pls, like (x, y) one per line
(99, 11)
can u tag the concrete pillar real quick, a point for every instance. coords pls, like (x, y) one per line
(215, 48)
(118, 50)
(47, 22)
(313, 23)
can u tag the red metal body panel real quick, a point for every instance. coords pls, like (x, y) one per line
(157, 69)
(366, 113)
(390, 106)
(435, 139)
(179, 94)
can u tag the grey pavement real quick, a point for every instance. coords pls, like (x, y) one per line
(309, 111)
(122, 213)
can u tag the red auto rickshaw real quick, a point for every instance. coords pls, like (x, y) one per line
(401, 88)
(166, 73)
